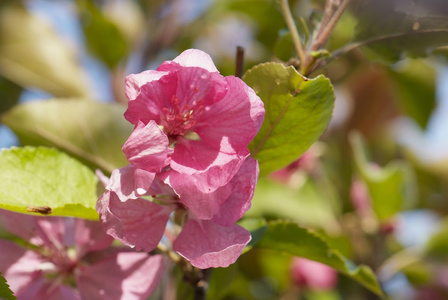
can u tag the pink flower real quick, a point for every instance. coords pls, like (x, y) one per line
(312, 274)
(188, 155)
(208, 119)
(68, 258)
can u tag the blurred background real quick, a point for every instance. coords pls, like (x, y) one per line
(375, 183)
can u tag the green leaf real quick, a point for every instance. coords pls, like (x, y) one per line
(5, 292)
(91, 131)
(297, 112)
(415, 80)
(391, 188)
(44, 181)
(437, 246)
(402, 26)
(257, 228)
(104, 39)
(310, 204)
(32, 55)
(289, 238)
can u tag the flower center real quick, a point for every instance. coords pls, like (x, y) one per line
(178, 120)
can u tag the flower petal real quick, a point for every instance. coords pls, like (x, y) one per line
(137, 222)
(134, 82)
(237, 116)
(126, 275)
(196, 194)
(195, 157)
(90, 236)
(22, 225)
(242, 186)
(19, 266)
(209, 245)
(147, 147)
(130, 182)
(191, 58)
(42, 289)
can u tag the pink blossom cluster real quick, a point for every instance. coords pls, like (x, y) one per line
(52, 258)
(188, 162)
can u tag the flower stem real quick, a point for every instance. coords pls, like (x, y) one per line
(201, 287)
(239, 68)
(293, 30)
(329, 20)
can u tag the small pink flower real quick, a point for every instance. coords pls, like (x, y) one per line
(312, 274)
(71, 259)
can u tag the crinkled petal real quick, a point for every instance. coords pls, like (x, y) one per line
(237, 116)
(207, 244)
(126, 275)
(195, 157)
(134, 82)
(90, 236)
(191, 58)
(151, 100)
(180, 93)
(137, 222)
(196, 194)
(19, 266)
(130, 182)
(242, 186)
(147, 147)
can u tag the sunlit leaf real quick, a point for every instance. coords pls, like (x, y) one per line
(310, 204)
(44, 181)
(5, 292)
(33, 55)
(391, 188)
(289, 238)
(297, 112)
(91, 131)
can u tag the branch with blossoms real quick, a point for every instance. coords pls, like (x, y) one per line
(156, 205)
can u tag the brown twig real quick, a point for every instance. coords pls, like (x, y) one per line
(329, 21)
(239, 65)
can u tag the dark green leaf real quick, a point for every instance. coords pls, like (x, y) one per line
(289, 238)
(104, 39)
(413, 27)
(91, 131)
(297, 112)
(44, 181)
(257, 228)
(10, 94)
(416, 86)
(5, 292)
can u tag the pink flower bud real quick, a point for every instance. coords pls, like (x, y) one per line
(312, 275)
